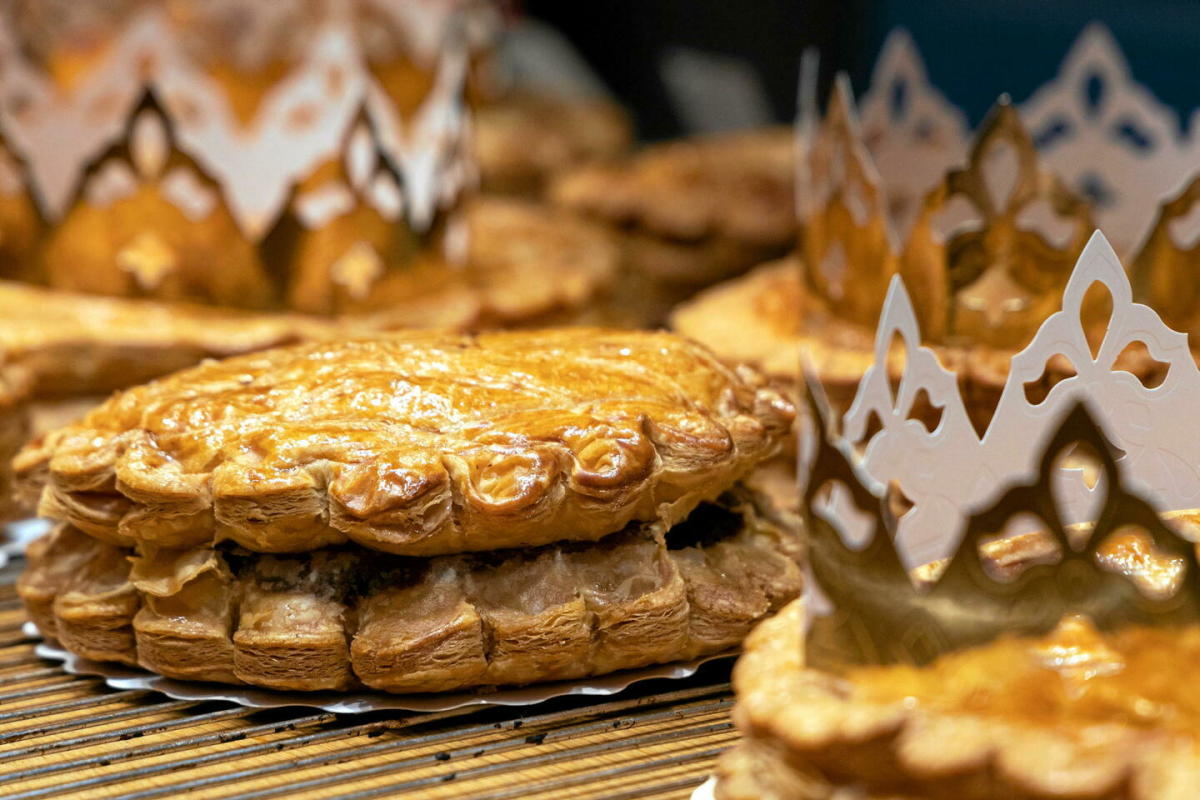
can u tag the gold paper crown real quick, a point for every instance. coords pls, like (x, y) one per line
(1107, 140)
(988, 245)
(882, 615)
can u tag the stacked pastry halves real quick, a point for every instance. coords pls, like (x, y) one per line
(419, 512)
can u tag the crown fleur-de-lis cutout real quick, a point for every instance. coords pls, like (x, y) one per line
(898, 440)
(294, 126)
(846, 241)
(1141, 373)
(996, 240)
(148, 259)
(1109, 138)
(913, 133)
(880, 614)
(357, 270)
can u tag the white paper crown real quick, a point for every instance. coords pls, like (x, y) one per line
(949, 471)
(58, 130)
(1109, 138)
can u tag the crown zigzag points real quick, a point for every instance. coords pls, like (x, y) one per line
(299, 124)
(950, 470)
(1112, 142)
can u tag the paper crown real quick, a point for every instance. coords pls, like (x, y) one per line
(1013, 206)
(895, 491)
(259, 95)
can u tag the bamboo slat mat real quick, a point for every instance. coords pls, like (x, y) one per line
(71, 736)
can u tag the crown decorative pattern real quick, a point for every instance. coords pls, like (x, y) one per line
(1107, 136)
(58, 129)
(914, 134)
(880, 615)
(1112, 144)
(989, 240)
(946, 471)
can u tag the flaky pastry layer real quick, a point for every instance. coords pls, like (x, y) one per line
(342, 618)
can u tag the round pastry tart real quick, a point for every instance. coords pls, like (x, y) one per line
(418, 512)
(691, 212)
(1074, 713)
(523, 139)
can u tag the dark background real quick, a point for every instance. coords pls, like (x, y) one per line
(974, 50)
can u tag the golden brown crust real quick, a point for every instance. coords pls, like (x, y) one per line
(530, 262)
(754, 319)
(78, 344)
(524, 264)
(737, 186)
(687, 214)
(813, 733)
(336, 619)
(524, 138)
(417, 444)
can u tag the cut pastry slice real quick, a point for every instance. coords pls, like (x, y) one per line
(185, 624)
(534, 616)
(291, 630)
(93, 613)
(1075, 713)
(423, 636)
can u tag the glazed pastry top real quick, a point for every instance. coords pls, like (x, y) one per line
(417, 444)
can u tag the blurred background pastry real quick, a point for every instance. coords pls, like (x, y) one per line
(689, 213)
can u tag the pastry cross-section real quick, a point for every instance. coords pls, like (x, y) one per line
(345, 617)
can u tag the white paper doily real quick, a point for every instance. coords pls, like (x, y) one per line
(706, 790)
(119, 676)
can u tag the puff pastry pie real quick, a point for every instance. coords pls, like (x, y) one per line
(690, 213)
(84, 345)
(416, 512)
(524, 138)
(1076, 713)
